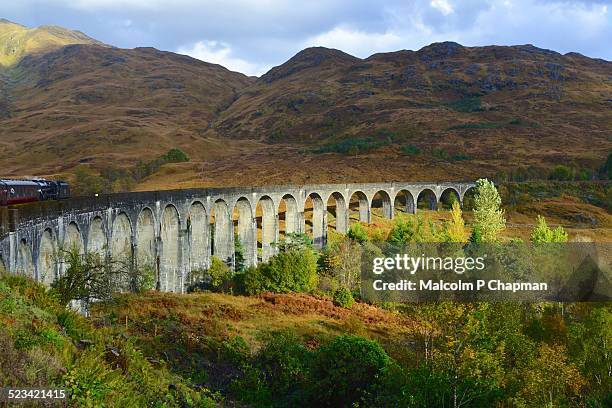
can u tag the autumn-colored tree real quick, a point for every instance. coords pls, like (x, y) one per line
(552, 380)
(455, 229)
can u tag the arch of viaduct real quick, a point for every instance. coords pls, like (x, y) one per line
(177, 231)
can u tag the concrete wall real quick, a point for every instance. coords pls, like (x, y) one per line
(175, 232)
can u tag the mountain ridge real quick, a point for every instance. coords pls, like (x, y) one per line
(489, 106)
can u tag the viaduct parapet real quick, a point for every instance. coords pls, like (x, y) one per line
(177, 231)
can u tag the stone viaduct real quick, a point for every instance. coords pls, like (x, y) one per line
(177, 231)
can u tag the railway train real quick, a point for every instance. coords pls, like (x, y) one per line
(26, 191)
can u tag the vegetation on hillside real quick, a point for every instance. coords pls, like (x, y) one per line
(119, 179)
(304, 336)
(45, 345)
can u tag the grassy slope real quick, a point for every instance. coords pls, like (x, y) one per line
(160, 346)
(189, 331)
(17, 41)
(40, 346)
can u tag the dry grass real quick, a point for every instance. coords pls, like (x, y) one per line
(222, 316)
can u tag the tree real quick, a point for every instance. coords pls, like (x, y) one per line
(488, 215)
(175, 156)
(295, 241)
(606, 168)
(343, 371)
(290, 271)
(542, 233)
(561, 173)
(455, 229)
(346, 267)
(86, 277)
(414, 229)
(357, 233)
(552, 380)
(239, 261)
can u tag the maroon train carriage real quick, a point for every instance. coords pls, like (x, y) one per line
(25, 191)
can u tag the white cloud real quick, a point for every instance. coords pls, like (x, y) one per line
(221, 53)
(443, 6)
(355, 42)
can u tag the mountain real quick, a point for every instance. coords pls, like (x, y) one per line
(94, 104)
(17, 41)
(443, 112)
(499, 104)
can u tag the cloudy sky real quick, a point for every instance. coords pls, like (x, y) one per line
(251, 36)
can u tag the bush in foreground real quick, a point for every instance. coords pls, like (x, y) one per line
(343, 371)
(343, 297)
(291, 271)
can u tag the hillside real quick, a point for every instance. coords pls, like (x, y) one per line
(443, 112)
(17, 41)
(88, 103)
(278, 350)
(491, 104)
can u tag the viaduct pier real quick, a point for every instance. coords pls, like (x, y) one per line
(177, 231)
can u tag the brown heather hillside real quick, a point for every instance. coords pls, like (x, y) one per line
(99, 105)
(443, 112)
(502, 106)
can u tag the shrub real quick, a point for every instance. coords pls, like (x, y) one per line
(217, 278)
(479, 125)
(411, 149)
(413, 229)
(175, 156)
(219, 274)
(345, 370)
(343, 297)
(283, 363)
(542, 233)
(357, 233)
(561, 173)
(606, 168)
(235, 350)
(467, 104)
(290, 271)
(476, 235)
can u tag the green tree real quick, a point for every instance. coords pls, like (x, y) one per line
(295, 241)
(606, 168)
(175, 156)
(357, 233)
(345, 370)
(289, 271)
(413, 229)
(542, 233)
(488, 215)
(86, 277)
(561, 173)
(343, 297)
(346, 265)
(239, 261)
(552, 380)
(219, 274)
